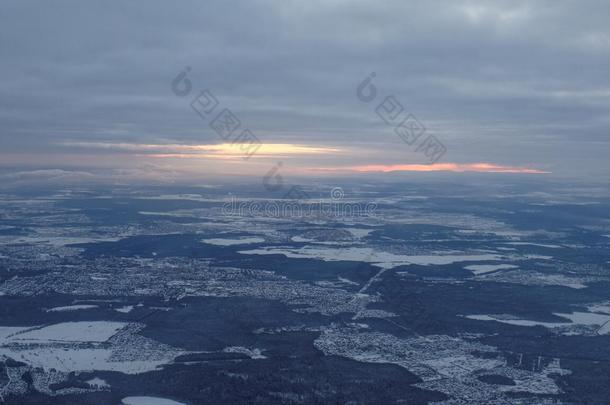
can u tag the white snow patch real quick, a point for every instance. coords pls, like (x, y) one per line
(67, 360)
(359, 232)
(87, 331)
(252, 353)
(231, 242)
(534, 244)
(347, 281)
(126, 309)
(558, 279)
(603, 308)
(98, 382)
(573, 319)
(7, 331)
(540, 257)
(487, 268)
(71, 308)
(604, 329)
(76, 346)
(149, 401)
(384, 260)
(59, 241)
(301, 239)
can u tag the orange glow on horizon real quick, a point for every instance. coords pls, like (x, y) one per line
(444, 167)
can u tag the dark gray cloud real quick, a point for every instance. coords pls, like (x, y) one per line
(510, 82)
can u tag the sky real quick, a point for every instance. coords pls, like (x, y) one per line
(93, 90)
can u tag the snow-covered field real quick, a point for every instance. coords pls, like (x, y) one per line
(89, 331)
(126, 309)
(231, 242)
(601, 321)
(71, 308)
(149, 401)
(488, 268)
(77, 346)
(252, 353)
(384, 260)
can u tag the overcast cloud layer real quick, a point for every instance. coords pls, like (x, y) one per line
(506, 82)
